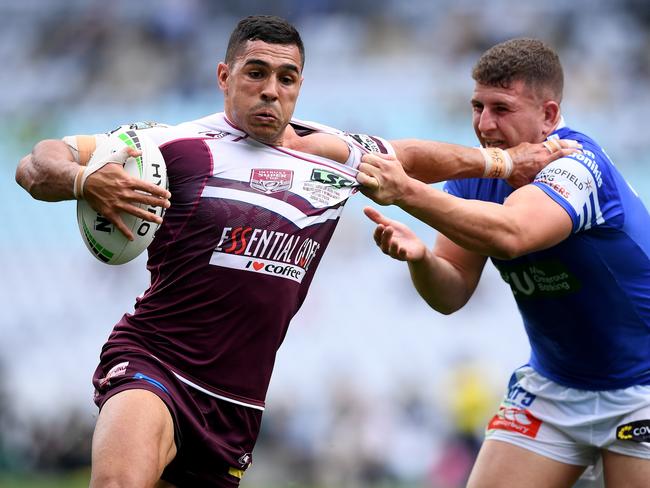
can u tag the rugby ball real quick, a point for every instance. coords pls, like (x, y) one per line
(102, 238)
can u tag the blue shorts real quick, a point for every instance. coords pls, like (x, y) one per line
(214, 438)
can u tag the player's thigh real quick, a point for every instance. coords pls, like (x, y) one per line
(133, 440)
(625, 471)
(503, 465)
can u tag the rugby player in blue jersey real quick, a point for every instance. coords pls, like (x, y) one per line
(574, 247)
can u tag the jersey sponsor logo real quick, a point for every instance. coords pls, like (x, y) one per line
(271, 180)
(550, 175)
(638, 431)
(114, 372)
(245, 459)
(327, 188)
(556, 186)
(265, 251)
(268, 244)
(138, 126)
(520, 397)
(214, 134)
(330, 178)
(262, 266)
(516, 420)
(543, 279)
(367, 142)
(588, 158)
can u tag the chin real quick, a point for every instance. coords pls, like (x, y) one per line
(265, 136)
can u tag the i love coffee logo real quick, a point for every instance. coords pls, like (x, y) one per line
(277, 269)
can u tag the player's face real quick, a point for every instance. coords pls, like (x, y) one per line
(505, 117)
(261, 88)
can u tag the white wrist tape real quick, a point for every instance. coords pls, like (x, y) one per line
(77, 189)
(498, 163)
(118, 157)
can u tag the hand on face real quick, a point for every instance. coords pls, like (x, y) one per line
(529, 159)
(382, 178)
(396, 239)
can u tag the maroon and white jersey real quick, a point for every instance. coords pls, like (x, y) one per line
(236, 253)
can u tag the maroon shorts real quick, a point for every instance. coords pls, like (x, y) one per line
(214, 438)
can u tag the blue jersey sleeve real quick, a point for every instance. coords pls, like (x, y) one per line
(583, 185)
(456, 188)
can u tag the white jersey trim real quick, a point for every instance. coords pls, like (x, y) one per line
(220, 397)
(284, 209)
(207, 392)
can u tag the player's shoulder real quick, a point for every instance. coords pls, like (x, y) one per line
(365, 142)
(591, 159)
(212, 126)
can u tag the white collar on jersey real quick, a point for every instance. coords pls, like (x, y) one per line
(220, 122)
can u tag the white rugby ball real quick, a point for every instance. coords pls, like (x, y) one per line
(101, 237)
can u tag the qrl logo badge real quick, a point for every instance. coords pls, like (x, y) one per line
(271, 180)
(638, 431)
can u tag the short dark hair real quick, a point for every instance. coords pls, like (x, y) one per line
(529, 60)
(267, 28)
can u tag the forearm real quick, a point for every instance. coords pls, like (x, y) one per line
(431, 161)
(481, 227)
(48, 172)
(439, 283)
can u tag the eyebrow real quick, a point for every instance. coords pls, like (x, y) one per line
(286, 66)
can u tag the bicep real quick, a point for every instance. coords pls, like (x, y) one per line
(541, 222)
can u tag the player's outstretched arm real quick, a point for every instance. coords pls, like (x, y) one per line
(528, 221)
(50, 173)
(432, 161)
(445, 276)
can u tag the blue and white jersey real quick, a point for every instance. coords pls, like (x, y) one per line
(586, 301)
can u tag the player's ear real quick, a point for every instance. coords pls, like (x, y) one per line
(551, 116)
(223, 71)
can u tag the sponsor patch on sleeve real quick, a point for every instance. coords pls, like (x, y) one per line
(369, 143)
(573, 183)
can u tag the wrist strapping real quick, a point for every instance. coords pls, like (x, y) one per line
(498, 163)
(118, 157)
(77, 185)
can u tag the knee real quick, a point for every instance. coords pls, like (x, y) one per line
(130, 479)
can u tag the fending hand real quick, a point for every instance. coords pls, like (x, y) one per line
(396, 239)
(529, 159)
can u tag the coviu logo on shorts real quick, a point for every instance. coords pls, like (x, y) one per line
(638, 431)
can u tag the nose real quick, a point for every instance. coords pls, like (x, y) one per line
(486, 121)
(270, 89)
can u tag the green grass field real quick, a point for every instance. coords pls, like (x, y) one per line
(69, 480)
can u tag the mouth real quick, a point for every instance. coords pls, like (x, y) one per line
(265, 116)
(495, 143)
